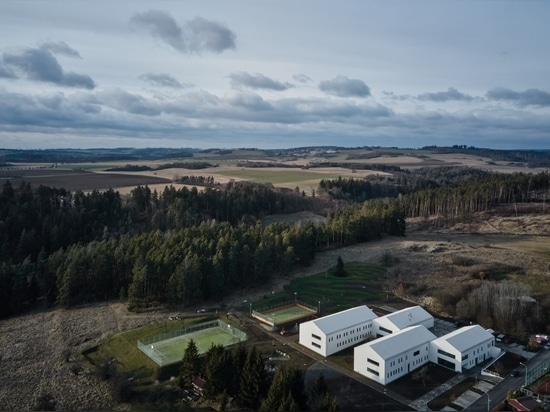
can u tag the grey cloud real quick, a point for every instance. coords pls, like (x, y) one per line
(238, 119)
(131, 103)
(162, 80)
(196, 35)
(450, 94)
(6, 72)
(257, 81)
(343, 86)
(61, 47)
(248, 100)
(302, 78)
(530, 97)
(41, 65)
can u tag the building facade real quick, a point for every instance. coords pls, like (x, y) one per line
(336, 332)
(395, 355)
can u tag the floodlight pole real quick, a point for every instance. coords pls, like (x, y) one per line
(488, 402)
(295, 296)
(250, 308)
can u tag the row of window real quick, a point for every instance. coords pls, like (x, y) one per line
(394, 372)
(347, 341)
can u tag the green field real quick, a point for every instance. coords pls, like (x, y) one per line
(364, 283)
(170, 351)
(280, 176)
(285, 314)
(168, 348)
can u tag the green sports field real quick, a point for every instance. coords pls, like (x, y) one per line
(169, 351)
(285, 314)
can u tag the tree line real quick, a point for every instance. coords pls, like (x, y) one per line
(250, 383)
(453, 194)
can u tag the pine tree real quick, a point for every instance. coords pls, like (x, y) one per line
(252, 380)
(217, 363)
(191, 364)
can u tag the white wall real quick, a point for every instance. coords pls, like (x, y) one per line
(336, 341)
(392, 368)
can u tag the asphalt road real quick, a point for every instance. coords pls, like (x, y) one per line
(537, 366)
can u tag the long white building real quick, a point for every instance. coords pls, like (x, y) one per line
(464, 348)
(395, 355)
(336, 332)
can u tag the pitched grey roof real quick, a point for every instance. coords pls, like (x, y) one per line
(406, 317)
(464, 338)
(402, 341)
(344, 319)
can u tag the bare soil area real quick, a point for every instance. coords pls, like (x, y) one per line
(37, 350)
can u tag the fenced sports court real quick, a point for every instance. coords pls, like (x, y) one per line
(168, 348)
(285, 313)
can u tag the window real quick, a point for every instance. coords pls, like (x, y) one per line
(449, 355)
(313, 335)
(385, 330)
(369, 360)
(316, 345)
(464, 357)
(373, 372)
(416, 353)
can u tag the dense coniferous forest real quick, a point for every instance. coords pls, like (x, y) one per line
(178, 247)
(183, 246)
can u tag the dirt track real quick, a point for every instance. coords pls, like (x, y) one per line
(37, 350)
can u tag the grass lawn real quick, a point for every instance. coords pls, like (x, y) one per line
(362, 284)
(123, 347)
(171, 350)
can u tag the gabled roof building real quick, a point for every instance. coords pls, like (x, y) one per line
(401, 319)
(336, 332)
(464, 348)
(395, 355)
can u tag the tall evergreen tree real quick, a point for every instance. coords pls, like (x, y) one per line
(191, 364)
(252, 380)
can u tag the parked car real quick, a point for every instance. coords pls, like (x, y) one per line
(514, 373)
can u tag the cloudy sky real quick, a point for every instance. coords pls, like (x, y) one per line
(274, 74)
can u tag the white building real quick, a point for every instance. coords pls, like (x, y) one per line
(336, 332)
(395, 355)
(401, 319)
(464, 348)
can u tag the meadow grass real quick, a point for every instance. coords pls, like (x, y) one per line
(123, 347)
(363, 283)
(278, 176)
